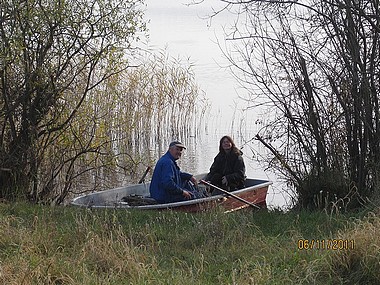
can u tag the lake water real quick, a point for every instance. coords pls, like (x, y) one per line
(185, 32)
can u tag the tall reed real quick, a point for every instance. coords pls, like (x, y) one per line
(110, 139)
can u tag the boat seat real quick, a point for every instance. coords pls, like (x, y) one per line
(138, 200)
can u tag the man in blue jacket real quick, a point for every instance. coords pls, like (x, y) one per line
(169, 183)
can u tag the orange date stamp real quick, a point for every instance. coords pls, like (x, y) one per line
(326, 244)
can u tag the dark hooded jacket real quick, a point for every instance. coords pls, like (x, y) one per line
(230, 165)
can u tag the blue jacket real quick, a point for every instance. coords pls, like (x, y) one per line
(167, 180)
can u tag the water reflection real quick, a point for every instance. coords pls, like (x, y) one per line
(185, 32)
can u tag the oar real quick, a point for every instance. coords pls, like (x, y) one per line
(144, 175)
(230, 194)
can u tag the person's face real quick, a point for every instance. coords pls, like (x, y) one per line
(176, 152)
(226, 144)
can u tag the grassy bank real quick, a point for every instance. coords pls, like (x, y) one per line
(64, 245)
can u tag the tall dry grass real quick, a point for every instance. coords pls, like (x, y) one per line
(42, 245)
(81, 250)
(361, 265)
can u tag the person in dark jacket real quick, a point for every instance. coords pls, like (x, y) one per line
(169, 183)
(228, 169)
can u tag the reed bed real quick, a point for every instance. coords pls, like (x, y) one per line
(64, 245)
(121, 128)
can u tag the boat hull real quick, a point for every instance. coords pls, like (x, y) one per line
(255, 192)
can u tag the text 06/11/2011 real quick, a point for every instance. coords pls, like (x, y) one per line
(326, 244)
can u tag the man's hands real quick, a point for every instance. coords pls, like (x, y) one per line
(194, 180)
(187, 194)
(224, 180)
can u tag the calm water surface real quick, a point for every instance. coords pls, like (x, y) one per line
(186, 33)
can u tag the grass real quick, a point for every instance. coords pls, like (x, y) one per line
(64, 245)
